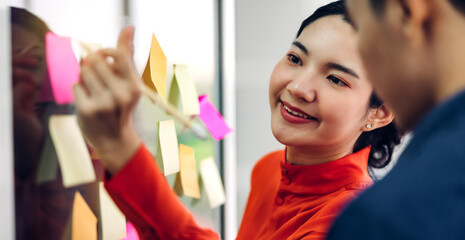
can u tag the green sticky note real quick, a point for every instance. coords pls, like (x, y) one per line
(183, 91)
(48, 165)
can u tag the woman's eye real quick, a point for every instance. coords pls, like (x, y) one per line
(294, 59)
(337, 81)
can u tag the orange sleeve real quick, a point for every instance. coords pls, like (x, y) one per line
(142, 193)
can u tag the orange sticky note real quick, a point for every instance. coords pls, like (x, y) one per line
(154, 74)
(84, 222)
(188, 171)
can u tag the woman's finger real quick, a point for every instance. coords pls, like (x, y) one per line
(94, 85)
(126, 41)
(105, 74)
(81, 98)
(122, 63)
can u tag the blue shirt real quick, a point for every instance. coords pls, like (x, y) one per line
(423, 197)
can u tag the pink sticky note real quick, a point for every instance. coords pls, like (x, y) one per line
(131, 232)
(63, 68)
(212, 119)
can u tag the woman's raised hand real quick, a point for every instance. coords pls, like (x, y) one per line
(105, 99)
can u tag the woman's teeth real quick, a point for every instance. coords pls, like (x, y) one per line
(296, 113)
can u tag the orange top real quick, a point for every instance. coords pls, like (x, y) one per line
(285, 202)
(144, 196)
(300, 202)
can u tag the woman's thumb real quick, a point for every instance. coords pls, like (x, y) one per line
(126, 40)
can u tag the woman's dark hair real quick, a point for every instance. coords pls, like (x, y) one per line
(334, 8)
(382, 140)
(29, 21)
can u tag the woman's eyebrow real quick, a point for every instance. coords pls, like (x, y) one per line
(300, 46)
(342, 68)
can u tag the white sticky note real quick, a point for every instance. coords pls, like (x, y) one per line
(73, 156)
(168, 152)
(112, 219)
(212, 182)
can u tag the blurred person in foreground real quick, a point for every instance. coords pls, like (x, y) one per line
(414, 51)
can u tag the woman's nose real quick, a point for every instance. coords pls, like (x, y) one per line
(304, 88)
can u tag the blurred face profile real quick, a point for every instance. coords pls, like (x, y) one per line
(28, 62)
(318, 91)
(398, 74)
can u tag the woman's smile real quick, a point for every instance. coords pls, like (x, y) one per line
(295, 115)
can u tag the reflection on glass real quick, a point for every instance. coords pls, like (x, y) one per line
(42, 205)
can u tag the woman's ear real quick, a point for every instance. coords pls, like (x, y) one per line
(378, 118)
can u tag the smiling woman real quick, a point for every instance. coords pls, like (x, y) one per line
(323, 109)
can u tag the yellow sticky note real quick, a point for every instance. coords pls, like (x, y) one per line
(88, 48)
(212, 182)
(168, 154)
(84, 222)
(183, 88)
(73, 156)
(188, 171)
(112, 219)
(154, 74)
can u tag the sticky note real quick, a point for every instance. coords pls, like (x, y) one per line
(63, 68)
(183, 88)
(84, 222)
(73, 156)
(212, 182)
(188, 172)
(112, 219)
(48, 163)
(178, 185)
(168, 153)
(212, 119)
(131, 232)
(87, 48)
(154, 74)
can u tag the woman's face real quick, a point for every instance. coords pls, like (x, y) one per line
(319, 91)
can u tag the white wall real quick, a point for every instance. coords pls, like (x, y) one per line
(84, 20)
(265, 30)
(6, 136)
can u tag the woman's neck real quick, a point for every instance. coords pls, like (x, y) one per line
(310, 156)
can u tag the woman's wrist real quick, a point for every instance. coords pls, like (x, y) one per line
(115, 154)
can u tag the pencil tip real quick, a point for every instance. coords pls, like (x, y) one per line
(199, 131)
